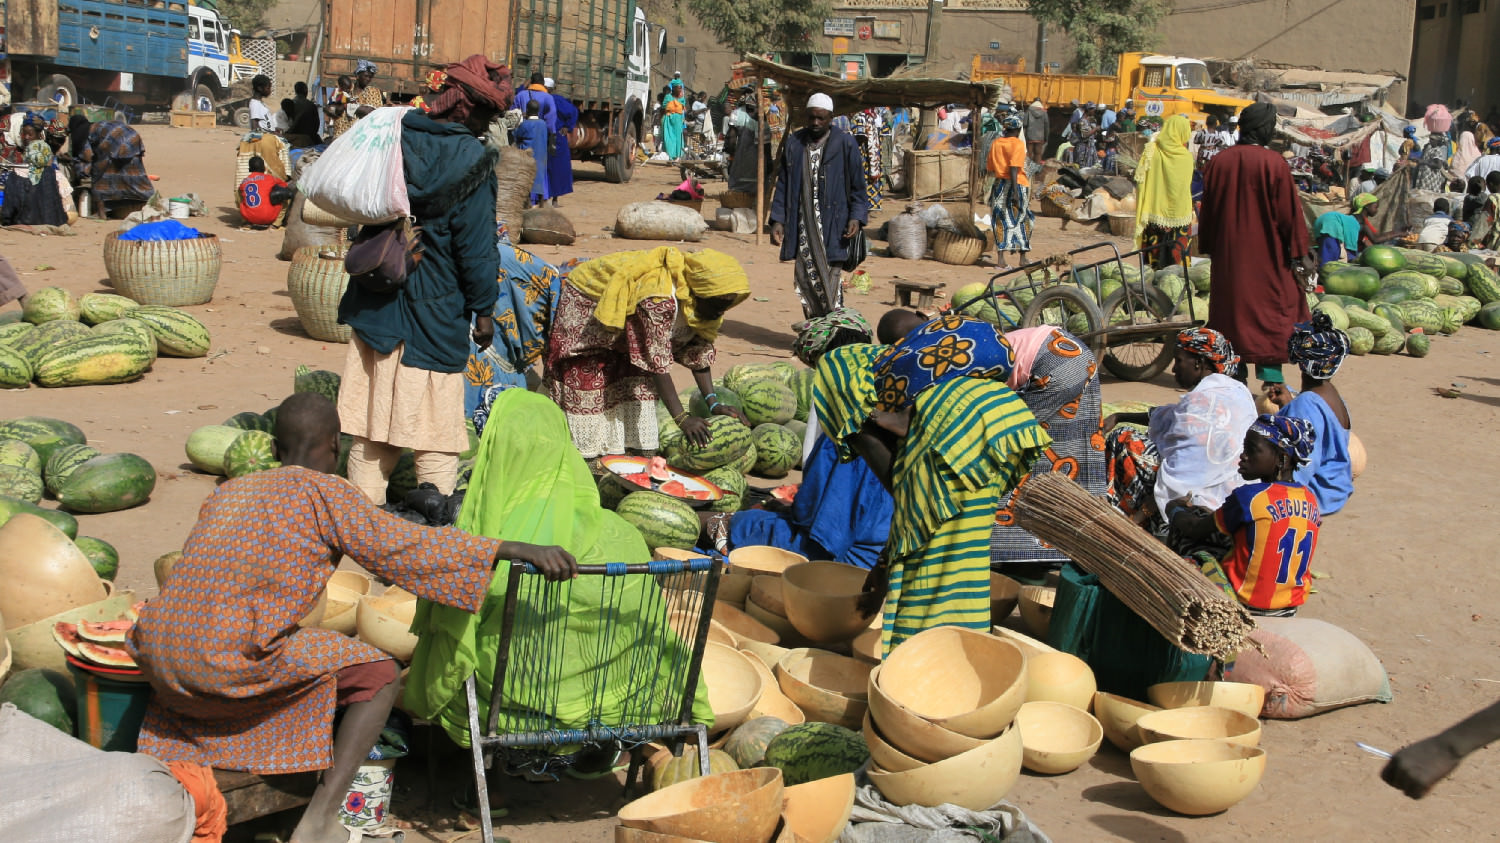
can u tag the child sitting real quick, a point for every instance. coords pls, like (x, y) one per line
(262, 196)
(1272, 520)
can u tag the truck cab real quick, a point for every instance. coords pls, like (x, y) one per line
(215, 62)
(1166, 85)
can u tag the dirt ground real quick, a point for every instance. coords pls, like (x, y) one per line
(1406, 558)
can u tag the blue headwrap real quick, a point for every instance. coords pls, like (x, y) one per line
(949, 346)
(364, 65)
(1291, 435)
(1317, 347)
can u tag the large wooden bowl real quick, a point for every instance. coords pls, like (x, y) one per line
(742, 625)
(976, 779)
(1036, 609)
(965, 681)
(340, 615)
(42, 573)
(828, 687)
(1240, 696)
(357, 582)
(1056, 737)
(783, 628)
(820, 600)
(384, 621)
(817, 811)
(910, 733)
(739, 807)
(734, 685)
(866, 646)
(1203, 722)
(884, 753)
(766, 591)
(734, 586)
(1118, 716)
(32, 645)
(626, 834)
(1198, 777)
(762, 559)
(1005, 593)
(769, 654)
(1060, 677)
(773, 703)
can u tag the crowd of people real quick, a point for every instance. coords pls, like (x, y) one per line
(58, 167)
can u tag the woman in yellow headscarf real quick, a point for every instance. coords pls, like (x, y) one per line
(1164, 188)
(620, 323)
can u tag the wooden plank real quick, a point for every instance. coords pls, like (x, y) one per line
(31, 27)
(249, 796)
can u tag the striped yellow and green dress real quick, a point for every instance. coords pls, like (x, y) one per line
(970, 442)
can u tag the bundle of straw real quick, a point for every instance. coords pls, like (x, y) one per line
(1166, 590)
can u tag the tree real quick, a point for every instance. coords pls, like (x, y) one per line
(244, 15)
(1102, 29)
(761, 26)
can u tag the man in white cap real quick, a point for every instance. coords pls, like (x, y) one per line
(820, 196)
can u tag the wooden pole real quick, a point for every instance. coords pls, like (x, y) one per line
(760, 158)
(975, 165)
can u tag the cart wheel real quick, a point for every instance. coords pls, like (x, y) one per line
(1071, 309)
(1145, 358)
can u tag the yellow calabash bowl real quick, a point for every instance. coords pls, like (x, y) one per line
(1005, 593)
(734, 684)
(828, 687)
(820, 600)
(976, 779)
(1058, 738)
(885, 754)
(383, 622)
(1060, 677)
(1197, 778)
(1118, 716)
(739, 807)
(1240, 696)
(1036, 609)
(817, 811)
(742, 625)
(909, 732)
(766, 591)
(763, 559)
(964, 681)
(1200, 722)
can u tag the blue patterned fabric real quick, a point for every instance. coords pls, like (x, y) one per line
(948, 347)
(529, 287)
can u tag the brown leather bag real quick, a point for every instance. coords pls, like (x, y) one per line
(382, 256)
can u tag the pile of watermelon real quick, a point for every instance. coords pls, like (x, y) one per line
(42, 457)
(99, 643)
(1396, 299)
(51, 342)
(803, 753)
(1098, 282)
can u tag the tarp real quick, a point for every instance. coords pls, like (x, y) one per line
(851, 95)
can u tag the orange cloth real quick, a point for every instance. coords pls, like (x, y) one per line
(208, 802)
(1006, 153)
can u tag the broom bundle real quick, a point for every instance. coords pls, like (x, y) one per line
(1166, 590)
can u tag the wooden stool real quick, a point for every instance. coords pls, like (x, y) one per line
(923, 289)
(248, 796)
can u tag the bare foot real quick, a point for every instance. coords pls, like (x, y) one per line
(897, 423)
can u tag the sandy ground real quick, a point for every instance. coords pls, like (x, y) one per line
(1407, 557)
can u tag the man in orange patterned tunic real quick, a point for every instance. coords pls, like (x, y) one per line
(238, 685)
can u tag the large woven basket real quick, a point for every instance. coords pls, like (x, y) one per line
(956, 248)
(165, 272)
(736, 199)
(316, 283)
(1122, 223)
(517, 172)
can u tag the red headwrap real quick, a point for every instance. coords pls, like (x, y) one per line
(475, 82)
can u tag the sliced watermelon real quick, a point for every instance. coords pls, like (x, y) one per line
(66, 636)
(104, 655)
(133, 614)
(700, 494)
(785, 494)
(107, 632)
(658, 469)
(643, 479)
(674, 488)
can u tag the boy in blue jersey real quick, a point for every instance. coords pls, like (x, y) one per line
(1273, 520)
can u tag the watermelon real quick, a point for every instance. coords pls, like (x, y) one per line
(1453, 267)
(1388, 344)
(1358, 281)
(1420, 284)
(798, 428)
(162, 567)
(52, 335)
(1489, 316)
(105, 655)
(971, 297)
(104, 632)
(776, 450)
(1482, 283)
(15, 370)
(64, 459)
(1383, 259)
(251, 451)
(42, 434)
(1449, 285)
(1199, 273)
(249, 421)
(1452, 319)
(1359, 318)
(747, 743)
(729, 438)
(612, 490)
(1425, 262)
(98, 308)
(108, 483)
(746, 463)
(1361, 340)
(49, 304)
(1335, 313)
(18, 453)
(177, 333)
(657, 469)
(668, 433)
(785, 495)
(722, 395)
(734, 485)
(1420, 313)
(403, 479)
(1171, 282)
(12, 332)
(738, 378)
(44, 694)
(206, 446)
(465, 473)
(1393, 294)
(17, 482)
(321, 381)
(662, 521)
(102, 555)
(95, 359)
(1417, 345)
(66, 636)
(810, 751)
(786, 370)
(683, 768)
(133, 327)
(61, 520)
(802, 387)
(768, 402)
(1391, 315)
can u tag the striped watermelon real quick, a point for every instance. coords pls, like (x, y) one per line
(15, 372)
(108, 483)
(10, 506)
(662, 521)
(17, 453)
(249, 421)
(798, 428)
(768, 401)
(668, 434)
(50, 304)
(62, 462)
(321, 381)
(35, 345)
(251, 451)
(1489, 316)
(102, 555)
(786, 370)
(776, 450)
(12, 331)
(810, 751)
(1420, 313)
(739, 378)
(722, 395)
(42, 434)
(133, 327)
(802, 387)
(729, 438)
(96, 359)
(17, 482)
(734, 485)
(1483, 283)
(207, 445)
(98, 308)
(746, 463)
(177, 333)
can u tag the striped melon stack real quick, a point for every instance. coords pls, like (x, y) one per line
(53, 344)
(49, 457)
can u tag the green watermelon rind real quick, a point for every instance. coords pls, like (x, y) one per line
(206, 446)
(44, 694)
(50, 304)
(1361, 340)
(17, 482)
(768, 402)
(251, 451)
(1489, 316)
(63, 461)
(101, 554)
(1383, 259)
(98, 308)
(662, 521)
(777, 450)
(108, 483)
(18, 453)
(63, 521)
(321, 381)
(42, 434)
(178, 334)
(1418, 345)
(729, 439)
(810, 751)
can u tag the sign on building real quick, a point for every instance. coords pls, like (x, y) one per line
(838, 27)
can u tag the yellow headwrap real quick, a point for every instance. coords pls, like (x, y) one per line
(1165, 179)
(620, 282)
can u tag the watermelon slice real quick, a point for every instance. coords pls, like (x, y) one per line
(700, 494)
(104, 655)
(658, 469)
(643, 479)
(785, 494)
(66, 636)
(674, 488)
(133, 614)
(107, 632)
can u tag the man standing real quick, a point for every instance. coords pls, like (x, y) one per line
(1251, 224)
(560, 158)
(1036, 124)
(304, 130)
(546, 107)
(820, 195)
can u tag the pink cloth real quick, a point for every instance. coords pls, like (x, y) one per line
(1438, 119)
(1467, 154)
(1025, 343)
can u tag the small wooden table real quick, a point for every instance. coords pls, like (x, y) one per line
(924, 290)
(249, 796)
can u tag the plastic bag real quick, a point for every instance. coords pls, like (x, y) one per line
(360, 177)
(164, 230)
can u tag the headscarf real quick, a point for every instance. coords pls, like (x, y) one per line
(1211, 346)
(38, 158)
(1493, 144)
(618, 283)
(1364, 200)
(950, 346)
(1340, 227)
(1466, 154)
(1290, 435)
(1458, 233)
(815, 336)
(1011, 122)
(436, 79)
(1258, 123)
(1165, 179)
(1437, 118)
(1026, 343)
(1318, 348)
(366, 66)
(474, 83)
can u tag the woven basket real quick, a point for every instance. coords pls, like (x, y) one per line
(516, 172)
(315, 214)
(1122, 224)
(242, 166)
(316, 282)
(164, 272)
(736, 199)
(956, 249)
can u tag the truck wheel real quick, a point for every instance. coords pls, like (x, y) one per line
(203, 99)
(59, 89)
(241, 117)
(618, 168)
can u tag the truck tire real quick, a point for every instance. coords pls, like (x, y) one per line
(59, 89)
(618, 168)
(203, 98)
(240, 117)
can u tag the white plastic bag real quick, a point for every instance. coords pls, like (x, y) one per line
(360, 177)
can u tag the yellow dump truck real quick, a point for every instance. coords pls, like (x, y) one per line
(1160, 86)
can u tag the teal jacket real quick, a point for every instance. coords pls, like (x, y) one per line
(450, 180)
